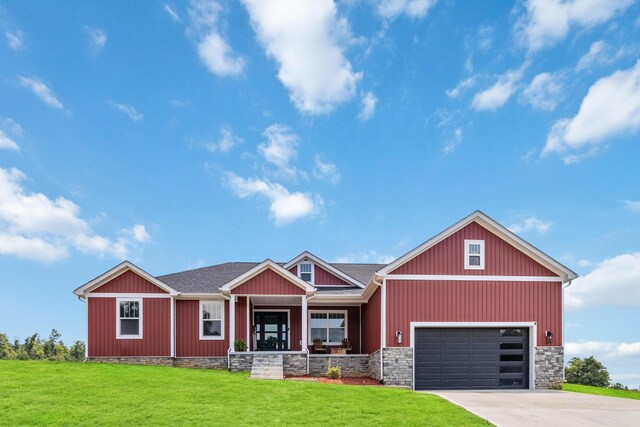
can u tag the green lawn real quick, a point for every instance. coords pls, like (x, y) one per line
(627, 394)
(85, 393)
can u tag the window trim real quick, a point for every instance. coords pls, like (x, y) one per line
(201, 320)
(468, 243)
(139, 300)
(346, 325)
(313, 271)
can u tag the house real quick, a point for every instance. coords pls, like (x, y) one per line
(474, 307)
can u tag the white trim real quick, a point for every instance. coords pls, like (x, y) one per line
(86, 343)
(533, 339)
(268, 264)
(119, 336)
(467, 254)
(248, 302)
(123, 295)
(325, 265)
(173, 327)
(117, 271)
(232, 322)
(207, 296)
(346, 325)
(305, 314)
(383, 314)
(275, 310)
(312, 272)
(200, 319)
(474, 278)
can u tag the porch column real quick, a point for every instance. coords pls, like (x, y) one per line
(248, 325)
(232, 321)
(304, 324)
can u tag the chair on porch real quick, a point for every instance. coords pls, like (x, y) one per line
(318, 347)
(346, 344)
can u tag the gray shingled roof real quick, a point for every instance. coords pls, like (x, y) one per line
(210, 279)
(339, 290)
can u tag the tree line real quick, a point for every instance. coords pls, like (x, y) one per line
(36, 348)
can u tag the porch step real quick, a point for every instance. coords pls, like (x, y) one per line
(267, 367)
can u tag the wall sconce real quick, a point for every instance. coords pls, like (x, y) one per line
(549, 336)
(399, 337)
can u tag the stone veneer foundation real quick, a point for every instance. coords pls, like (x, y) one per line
(397, 366)
(350, 365)
(549, 366)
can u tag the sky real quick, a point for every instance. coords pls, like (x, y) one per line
(185, 134)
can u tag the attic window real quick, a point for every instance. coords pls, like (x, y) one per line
(305, 271)
(474, 254)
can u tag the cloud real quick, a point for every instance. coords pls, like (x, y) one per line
(417, 9)
(280, 149)
(15, 39)
(226, 142)
(372, 256)
(632, 205)
(484, 38)
(171, 12)
(41, 90)
(308, 41)
(368, 106)
(213, 49)
(604, 350)
(530, 224)
(133, 114)
(461, 87)
(613, 282)
(601, 53)
(543, 92)
(546, 22)
(285, 206)
(453, 142)
(598, 118)
(38, 228)
(97, 38)
(140, 234)
(8, 131)
(326, 171)
(498, 94)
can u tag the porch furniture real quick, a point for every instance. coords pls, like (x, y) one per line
(338, 350)
(346, 345)
(318, 347)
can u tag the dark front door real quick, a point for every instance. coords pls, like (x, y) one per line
(272, 333)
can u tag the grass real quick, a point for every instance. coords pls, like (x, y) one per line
(627, 394)
(46, 393)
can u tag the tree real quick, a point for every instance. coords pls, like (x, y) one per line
(6, 349)
(76, 352)
(50, 344)
(587, 371)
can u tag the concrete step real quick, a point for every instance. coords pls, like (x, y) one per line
(268, 367)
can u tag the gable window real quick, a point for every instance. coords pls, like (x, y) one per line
(211, 320)
(474, 254)
(329, 326)
(306, 271)
(129, 318)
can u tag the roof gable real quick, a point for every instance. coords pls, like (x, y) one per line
(275, 268)
(326, 266)
(117, 271)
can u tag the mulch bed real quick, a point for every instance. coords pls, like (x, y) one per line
(345, 380)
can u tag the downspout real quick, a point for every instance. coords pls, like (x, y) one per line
(86, 335)
(563, 288)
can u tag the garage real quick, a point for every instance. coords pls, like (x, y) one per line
(471, 358)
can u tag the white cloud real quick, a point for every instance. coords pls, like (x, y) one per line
(453, 142)
(498, 94)
(484, 38)
(226, 142)
(530, 224)
(613, 282)
(7, 143)
(461, 87)
(598, 117)
(417, 9)
(585, 263)
(15, 39)
(213, 49)
(140, 233)
(308, 41)
(633, 205)
(285, 206)
(39, 228)
(593, 56)
(171, 12)
(41, 90)
(326, 170)
(368, 106)
(372, 256)
(546, 22)
(543, 92)
(97, 38)
(133, 114)
(604, 350)
(280, 149)
(8, 130)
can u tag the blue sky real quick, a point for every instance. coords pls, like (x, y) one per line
(185, 134)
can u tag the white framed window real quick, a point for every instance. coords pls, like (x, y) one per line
(330, 326)
(128, 318)
(305, 272)
(474, 254)
(211, 319)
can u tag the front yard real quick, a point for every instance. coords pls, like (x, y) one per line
(627, 394)
(84, 393)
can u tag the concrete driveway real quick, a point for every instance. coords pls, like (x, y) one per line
(547, 408)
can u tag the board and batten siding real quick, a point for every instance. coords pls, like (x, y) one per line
(156, 332)
(130, 283)
(268, 282)
(322, 277)
(371, 323)
(188, 342)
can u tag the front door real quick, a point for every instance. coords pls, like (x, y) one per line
(272, 333)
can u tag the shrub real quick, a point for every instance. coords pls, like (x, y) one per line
(35, 348)
(334, 372)
(76, 352)
(587, 371)
(239, 345)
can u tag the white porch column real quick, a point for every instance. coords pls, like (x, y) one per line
(304, 323)
(248, 324)
(232, 321)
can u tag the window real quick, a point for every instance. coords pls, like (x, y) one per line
(474, 254)
(306, 271)
(330, 327)
(128, 318)
(211, 320)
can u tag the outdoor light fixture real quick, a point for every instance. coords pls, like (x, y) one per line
(399, 337)
(549, 336)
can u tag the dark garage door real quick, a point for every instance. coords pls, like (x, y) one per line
(471, 358)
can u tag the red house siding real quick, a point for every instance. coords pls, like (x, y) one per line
(323, 277)
(447, 257)
(463, 301)
(129, 282)
(241, 318)
(268, 282)
(371, 323)
(156, 332)
(188, 342)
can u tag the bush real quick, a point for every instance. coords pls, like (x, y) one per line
(239, 345)
(76, 352)
(587, 371)
(334, 372)
(34, 348)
